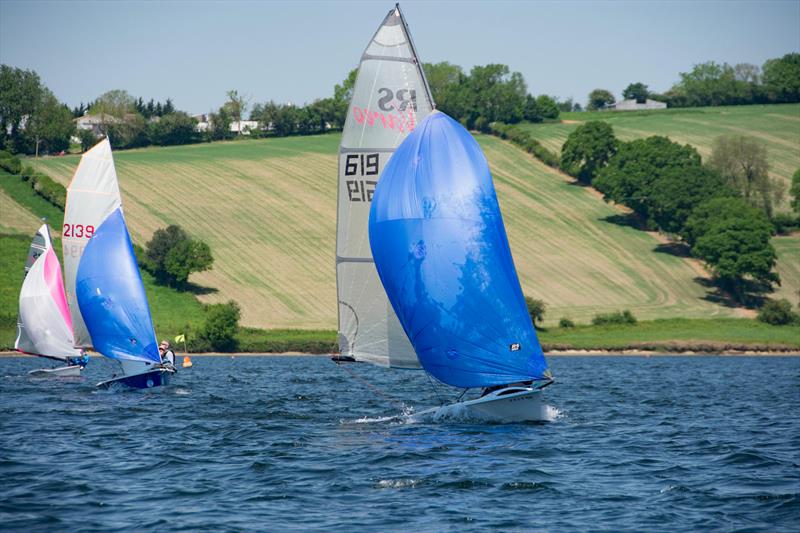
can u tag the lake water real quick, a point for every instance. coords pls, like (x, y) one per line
(272, 443)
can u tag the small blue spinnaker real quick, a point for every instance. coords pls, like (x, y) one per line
(111, 295)
(441, 251)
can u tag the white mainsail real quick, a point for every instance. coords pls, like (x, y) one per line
(390, 97)
(92, 195)
(44, 326)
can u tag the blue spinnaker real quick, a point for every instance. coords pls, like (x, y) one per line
(111, 295)
(441, 251)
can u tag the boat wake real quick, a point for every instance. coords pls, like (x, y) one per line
(445, 414)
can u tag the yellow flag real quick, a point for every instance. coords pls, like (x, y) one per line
(180, 338)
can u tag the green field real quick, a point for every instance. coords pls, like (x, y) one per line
(778, 126)
(267, 209)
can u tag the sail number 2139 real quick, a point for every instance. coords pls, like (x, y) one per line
(78, 231)
(360, 190)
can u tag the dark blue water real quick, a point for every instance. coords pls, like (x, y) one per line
(269, 443)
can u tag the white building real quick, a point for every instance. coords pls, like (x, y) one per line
(633, 105)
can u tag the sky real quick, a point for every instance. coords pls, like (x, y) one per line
(296, 51)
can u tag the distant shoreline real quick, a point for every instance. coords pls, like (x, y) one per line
(552, 353)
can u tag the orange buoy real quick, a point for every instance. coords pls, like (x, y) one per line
(187, 362)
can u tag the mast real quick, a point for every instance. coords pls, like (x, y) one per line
(390, 97)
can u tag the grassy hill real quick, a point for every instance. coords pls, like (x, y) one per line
(267, 208)
(778, 126)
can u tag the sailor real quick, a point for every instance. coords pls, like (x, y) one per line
(167, 355)
(81, 361)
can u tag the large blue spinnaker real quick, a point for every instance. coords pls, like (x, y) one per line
(441, 251)
(111, 295)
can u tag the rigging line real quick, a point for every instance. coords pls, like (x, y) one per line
(370, 386)
(433, 386)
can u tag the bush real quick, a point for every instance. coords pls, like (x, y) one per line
(221, 326)
(50, 190)
(778, 313)
(784, 223)
(617, 317)
(522, 139)
(536, 309)
(10, 163)
(565, 322)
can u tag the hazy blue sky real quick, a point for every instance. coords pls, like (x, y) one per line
(194, 51)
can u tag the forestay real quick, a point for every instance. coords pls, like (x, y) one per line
(389, 99)
(44, 326)
(112, 299)
(92, 196)
(442, 253)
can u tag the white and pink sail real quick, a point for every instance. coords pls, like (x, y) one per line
(44, 327)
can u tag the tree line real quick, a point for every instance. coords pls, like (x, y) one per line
(777, 81)
(723, 210)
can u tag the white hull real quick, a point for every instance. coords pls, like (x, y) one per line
(58, 372)
(512, 404)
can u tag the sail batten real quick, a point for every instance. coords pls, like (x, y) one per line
(390, 97)
(441, 250)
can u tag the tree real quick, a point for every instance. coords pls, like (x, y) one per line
(171, 256)
(548, 106)
(221, 326)
(633, 172)
(636, 91)
(598, 99)
(679, 190)
(536, 308)
(742, 161)
(87, 139)
(235, 106)
(588, 149)
(794, 192)
(733, 238)
(342, 94)
(50, 128)
(20, 95)
(173, 128)
(496, 94)
(782, 78)
(220, 125)
(116, 103)
(186, 257)
(710, 83)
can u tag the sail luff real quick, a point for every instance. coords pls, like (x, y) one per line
(420, 68)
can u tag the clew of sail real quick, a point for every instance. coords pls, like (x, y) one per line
(44, 326)
(390, 97)
(92, 195)
(112, 299)
(441, 250)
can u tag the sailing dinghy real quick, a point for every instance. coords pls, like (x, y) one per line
(440, 247)
(390, 97)
(111, 313)
(44, 327)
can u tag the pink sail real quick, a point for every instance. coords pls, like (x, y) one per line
(44, 326)
(52, 276)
